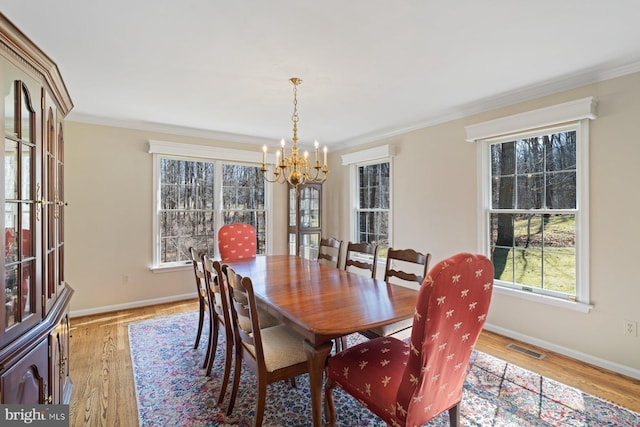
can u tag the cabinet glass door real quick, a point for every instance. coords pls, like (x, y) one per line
(305, 224)
(21, 306)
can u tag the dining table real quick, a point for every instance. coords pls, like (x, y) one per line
(322, 303)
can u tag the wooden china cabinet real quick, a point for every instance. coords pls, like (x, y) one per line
(305, 220)
(34, 319)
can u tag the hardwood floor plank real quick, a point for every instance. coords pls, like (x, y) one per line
(104, 389)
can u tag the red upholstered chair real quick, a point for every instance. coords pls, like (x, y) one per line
(408, 384)
(237, 241)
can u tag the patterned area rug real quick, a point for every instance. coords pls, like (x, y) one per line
(172, 390)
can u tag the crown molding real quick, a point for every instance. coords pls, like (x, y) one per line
(506, 99)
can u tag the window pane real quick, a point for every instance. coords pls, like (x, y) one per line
(528, 231)
(561, 190)
(10, 169)
(502, 242)
(560, 272)
(528, 268)
(560, 151)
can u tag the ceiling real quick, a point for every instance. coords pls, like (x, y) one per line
(371, 68)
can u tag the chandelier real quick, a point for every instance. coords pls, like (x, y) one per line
(295, 169)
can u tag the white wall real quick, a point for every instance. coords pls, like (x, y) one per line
(108, 234)
(435, 210)
(109, 219)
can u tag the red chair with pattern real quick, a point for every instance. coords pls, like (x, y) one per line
(236, 241)
(407, 384)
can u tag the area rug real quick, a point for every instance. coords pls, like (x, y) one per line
(172, 390)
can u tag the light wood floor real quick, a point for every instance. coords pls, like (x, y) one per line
(104, 395)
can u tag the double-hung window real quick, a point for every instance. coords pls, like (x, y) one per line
(374, 203)
(199, 189)
(371, 196)
(534, 203)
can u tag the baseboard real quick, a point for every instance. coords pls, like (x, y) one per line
(583, 357)
(134, 304)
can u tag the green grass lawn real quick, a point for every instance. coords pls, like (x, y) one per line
(548, 266)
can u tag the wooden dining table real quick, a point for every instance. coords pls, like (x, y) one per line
(322, 303)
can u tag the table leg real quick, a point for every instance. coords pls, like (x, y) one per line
(317, 357)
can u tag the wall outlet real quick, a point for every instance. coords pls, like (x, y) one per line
(630, 328)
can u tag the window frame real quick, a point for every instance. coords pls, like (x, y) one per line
(372, 156)
(218, 156)
(574, 115)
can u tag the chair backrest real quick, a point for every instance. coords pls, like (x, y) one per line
(243, 304)
(329, 251)
(363, 256)
(407, 265)
(214, 281)
(236, 241)
(451, 310)
(198, 272)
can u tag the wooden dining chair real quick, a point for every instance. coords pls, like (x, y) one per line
(273, 354)
(237, 241)
(203, 299)
(361, 257)
(329, 251)
(404, 267)
(407, 384)
(220, 314)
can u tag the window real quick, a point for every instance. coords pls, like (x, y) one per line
(374, 207)
(371, 196)
(195, 196)
(533, 216)
(187, 209)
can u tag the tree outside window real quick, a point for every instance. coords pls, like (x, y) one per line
(189, 215)
(374, 206)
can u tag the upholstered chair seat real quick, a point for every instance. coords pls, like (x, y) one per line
(282, 347)
(383, 360)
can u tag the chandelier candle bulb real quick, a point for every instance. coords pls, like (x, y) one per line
(264, 156)
(325, 156)
(316, 145)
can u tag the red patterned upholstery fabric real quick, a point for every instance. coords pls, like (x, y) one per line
(237, 241)
(408, 384)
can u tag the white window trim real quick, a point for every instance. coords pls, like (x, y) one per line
(207, 153)
(381, 154)
(579, 112)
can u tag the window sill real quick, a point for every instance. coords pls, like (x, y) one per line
(171, 267)
(543, 299)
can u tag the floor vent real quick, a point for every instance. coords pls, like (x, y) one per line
(526, 351)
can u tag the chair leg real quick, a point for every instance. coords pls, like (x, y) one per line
(200, 322)
(212, 343)
(330, 409)
(236, 381)
(454, 415)
(260, 403)
(227, 369)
